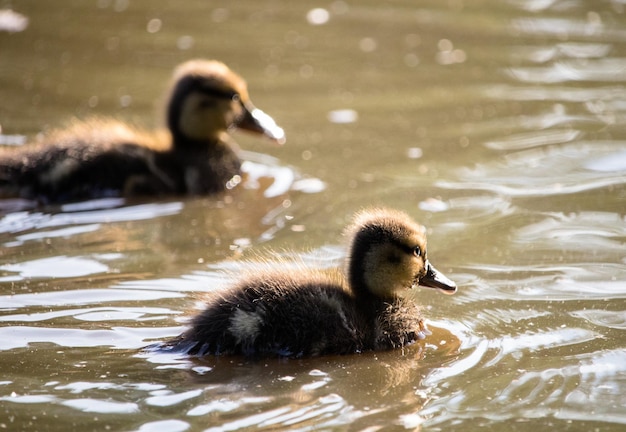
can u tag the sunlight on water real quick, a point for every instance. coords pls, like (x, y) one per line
(24, 336)
(497, 125)
(16, 222)
(80, 297)
(55, 267)
(283, 179)
(601, 70)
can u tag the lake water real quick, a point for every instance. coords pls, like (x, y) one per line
(500, 125)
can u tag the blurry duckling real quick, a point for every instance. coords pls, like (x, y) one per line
(103, 157)
(300, 313)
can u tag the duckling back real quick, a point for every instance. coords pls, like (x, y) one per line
(89, 159)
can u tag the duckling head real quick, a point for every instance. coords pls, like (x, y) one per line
(388, 255)
(207, 99)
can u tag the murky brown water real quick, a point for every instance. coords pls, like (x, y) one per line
(498, 124)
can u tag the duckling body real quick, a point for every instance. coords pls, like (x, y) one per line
(100, 157)
(302, 313)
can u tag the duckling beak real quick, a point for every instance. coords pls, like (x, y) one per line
(255, 120)
(434, 279)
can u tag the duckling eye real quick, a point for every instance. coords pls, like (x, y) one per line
(417, 251)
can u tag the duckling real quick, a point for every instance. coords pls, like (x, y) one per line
(303, 312)
(102, 157)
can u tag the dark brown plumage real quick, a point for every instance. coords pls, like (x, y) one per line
(299, 312)
(103, 157)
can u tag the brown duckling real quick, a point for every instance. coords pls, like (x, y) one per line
(298, 312)
(99, 158)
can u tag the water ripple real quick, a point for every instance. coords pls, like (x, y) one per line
(90, 405)
(102, 314)
(170, 398)
(101, 406)
(12, 337)
(22, 221)
(597, 231)
(607, 163)
(592, 28)
(53, 267)
(603, 70)
(82, 297)
(534, 139)
(555, 93)
(543, 54)
(459, 366)
(537, 340)
(595, 379)
(258, 166)
(603, 318)
(164, 425)
(547, 283)
(543, 171)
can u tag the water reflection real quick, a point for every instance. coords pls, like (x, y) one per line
(325, 392)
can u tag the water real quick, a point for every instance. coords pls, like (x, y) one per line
(498, 124)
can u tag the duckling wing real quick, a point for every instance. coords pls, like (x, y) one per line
(263, 319)
(88, 159)
(65, 173)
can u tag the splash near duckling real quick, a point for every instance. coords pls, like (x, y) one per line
(274, 311)
(104, 157)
